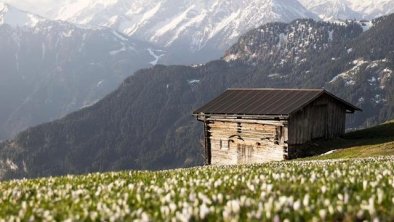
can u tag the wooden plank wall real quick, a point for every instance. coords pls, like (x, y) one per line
(323, 118)
(240, 141)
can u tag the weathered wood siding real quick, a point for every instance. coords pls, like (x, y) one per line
(324, 118)
(240, 142)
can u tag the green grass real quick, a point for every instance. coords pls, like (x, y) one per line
(371, 142)
(333, 190)
(359, 189)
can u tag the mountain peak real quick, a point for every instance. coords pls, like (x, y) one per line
(16, 17)
(208, 26)
(349, 9)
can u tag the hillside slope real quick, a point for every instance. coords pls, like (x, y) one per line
(354, 64)
(371, 142)
(147, 124)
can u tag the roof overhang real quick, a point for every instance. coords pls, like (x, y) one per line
(242, 103)
(240, 116)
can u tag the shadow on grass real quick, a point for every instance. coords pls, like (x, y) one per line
(363, 138)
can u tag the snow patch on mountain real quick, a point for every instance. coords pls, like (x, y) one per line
(385, 76)
(156, 56)
(68, 34)
(349, 76)
(231, 57)
(117, 51)
(119, 36)
(366, 25)
(330, 35)
(100, 83)
(6, 166)
(194, 81)
(379, 74)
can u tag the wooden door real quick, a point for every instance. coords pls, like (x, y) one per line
(244, 153)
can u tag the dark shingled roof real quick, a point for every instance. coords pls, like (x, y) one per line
(265, 101)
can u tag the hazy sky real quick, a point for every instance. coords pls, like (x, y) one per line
(36, 6)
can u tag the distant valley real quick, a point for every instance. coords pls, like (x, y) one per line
(51, 68)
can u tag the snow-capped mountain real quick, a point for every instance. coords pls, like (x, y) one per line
(198, 31)
(51, 68)
(349, 9)
(331, 9)
(372, 9)
(17, 18)
(204, 26)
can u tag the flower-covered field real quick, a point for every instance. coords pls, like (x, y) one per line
(335, 190)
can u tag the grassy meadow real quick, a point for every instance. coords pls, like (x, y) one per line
(322, 190)
(355, 183)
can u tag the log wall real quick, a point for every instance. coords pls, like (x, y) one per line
(258, 139)
(240, 141)
(322, 119)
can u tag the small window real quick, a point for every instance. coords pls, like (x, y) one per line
(224, 144)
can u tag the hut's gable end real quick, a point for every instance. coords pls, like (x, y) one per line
(323, 118)
(241, 142)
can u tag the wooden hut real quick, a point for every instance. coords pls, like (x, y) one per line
(259, 125)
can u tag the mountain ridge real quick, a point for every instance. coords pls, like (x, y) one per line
(200, 30)
(349, 9)
(54, 67)
(204, 26)
(18, 18)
